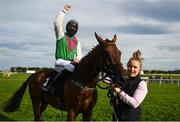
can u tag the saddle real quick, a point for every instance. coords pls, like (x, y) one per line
(54, 85)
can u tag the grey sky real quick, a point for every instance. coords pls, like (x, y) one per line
(153, 26)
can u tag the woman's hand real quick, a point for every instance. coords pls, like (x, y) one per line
(117, 90)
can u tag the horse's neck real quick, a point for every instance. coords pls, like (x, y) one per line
(88, 69)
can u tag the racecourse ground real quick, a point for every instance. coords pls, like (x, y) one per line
(162, 103)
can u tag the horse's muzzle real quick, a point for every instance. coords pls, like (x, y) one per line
(121, 80)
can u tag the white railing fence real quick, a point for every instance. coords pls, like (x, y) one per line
(160, 81)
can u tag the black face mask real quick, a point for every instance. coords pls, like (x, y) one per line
(71, 28)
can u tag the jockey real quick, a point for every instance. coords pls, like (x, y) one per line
(68, 48)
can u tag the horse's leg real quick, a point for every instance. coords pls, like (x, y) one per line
(87, 115)
(42, 108)
(35, 87)
(71, 115)
(36, 108)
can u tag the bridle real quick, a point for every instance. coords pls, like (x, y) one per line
(108, 69)
(106, 62)
(107, 66)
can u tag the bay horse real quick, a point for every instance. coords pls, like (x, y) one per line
(80, 93)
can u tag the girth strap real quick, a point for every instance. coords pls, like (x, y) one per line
(85, 88)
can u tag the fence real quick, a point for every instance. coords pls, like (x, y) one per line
(160, 81)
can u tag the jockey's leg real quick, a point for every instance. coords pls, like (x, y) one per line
(59, 82)
(68, 69)
(59, 78)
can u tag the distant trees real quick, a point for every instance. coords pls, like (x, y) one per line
(161, 72)
(23, 69)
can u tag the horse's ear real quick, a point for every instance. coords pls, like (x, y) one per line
(99, 39)
(114, 39)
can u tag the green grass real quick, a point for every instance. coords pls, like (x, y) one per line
(162, 103)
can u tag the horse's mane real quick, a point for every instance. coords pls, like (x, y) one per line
(84, 58)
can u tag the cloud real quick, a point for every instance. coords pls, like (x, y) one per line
(173, 47)
(143, 29)
(27, 32)
(161, 10)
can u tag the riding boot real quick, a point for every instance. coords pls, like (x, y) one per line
(50, 87)
(48, 83)
(57, 82)
(63, 75)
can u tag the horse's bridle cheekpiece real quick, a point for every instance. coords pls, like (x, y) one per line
(107, 64)
(108, 67)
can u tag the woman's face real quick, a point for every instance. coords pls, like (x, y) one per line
(133, 68)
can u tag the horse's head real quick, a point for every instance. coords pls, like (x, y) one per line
(111, 60)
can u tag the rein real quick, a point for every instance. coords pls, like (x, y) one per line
(85, 88)
(102, 78)
(111, 94)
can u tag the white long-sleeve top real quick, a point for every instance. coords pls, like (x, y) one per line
(137, 97)
(59, 34)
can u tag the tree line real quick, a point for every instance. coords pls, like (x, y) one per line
(24, 69)
(162, 72)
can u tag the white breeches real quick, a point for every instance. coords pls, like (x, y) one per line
(61, 65)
